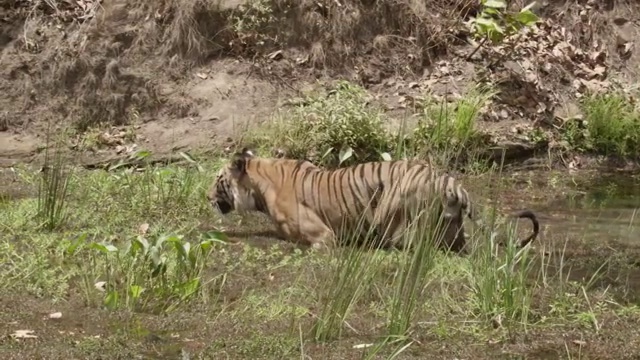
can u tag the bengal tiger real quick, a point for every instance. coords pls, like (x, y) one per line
(314, 206)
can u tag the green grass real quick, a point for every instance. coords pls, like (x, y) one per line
(610, 126)
(136, 254)
(152, 242)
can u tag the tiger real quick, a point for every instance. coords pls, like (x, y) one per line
(316, 207)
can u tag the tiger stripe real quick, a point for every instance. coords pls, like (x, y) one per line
(310, 205)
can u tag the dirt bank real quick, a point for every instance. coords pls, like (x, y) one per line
(167, 75)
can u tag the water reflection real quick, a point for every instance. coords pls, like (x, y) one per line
(602, 209)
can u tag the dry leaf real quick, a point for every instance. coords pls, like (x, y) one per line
(302, 60)
(579, 342)
(55, 315)
(101, 285)
(202, 75)
(23, 334)
(276, 55)
(142, 230)
(599, 70)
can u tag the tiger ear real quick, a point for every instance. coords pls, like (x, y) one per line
(247, 152)
(239, 163)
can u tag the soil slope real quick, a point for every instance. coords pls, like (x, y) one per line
(193, 74)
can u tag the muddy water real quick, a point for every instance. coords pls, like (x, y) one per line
(596, 228)
(601, 210)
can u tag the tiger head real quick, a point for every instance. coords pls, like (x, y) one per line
(232, 189)
(457, 206)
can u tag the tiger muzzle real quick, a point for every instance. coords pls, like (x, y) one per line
(224, 207)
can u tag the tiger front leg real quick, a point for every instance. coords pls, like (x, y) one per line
(304, 227)
(315, 232)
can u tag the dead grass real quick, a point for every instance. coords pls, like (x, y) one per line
(349, 30)
(106, 67)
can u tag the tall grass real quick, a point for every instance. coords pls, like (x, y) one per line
(502, 294)
(421, 239)
(53, 187)
(450, 128)
(611, 126)
(354, 270)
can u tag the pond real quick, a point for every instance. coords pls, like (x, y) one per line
(603, 209)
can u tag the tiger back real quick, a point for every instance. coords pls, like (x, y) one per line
(313, 205)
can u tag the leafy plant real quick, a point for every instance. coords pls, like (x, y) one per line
(163, 268)
(611, 126)
(324, 128)
(495, 23)
(451, 128)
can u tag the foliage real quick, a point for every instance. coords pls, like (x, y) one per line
(341, 127)
(611, 126)
(495, 23)
(451, 128)
(163, 271)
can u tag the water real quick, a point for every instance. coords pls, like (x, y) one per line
(591, 231)
(602, 210)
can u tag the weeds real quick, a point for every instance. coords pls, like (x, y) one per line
(157, 272)
(53, 189)
(323, 126)
(451, 128)
(420, 239)
(354, 271)
(502, 294)
(611, 126)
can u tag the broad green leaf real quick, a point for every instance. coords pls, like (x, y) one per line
(490, 11)
(142, 154)
(385, 156)
(135, 291)
(111, 300)
(104, 248)
(190, 287)
(488, 23)
(139, 244)
(526, 18)
(214, 235)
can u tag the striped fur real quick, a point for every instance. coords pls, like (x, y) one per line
(313, 206)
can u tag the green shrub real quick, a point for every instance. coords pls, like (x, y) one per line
(611, 126)
(324, 125)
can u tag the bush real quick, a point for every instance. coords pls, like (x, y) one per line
(324, 125)
(611, 126)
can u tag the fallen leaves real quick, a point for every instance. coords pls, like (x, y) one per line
(536, 67)
(55, 315)
(24, 334)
